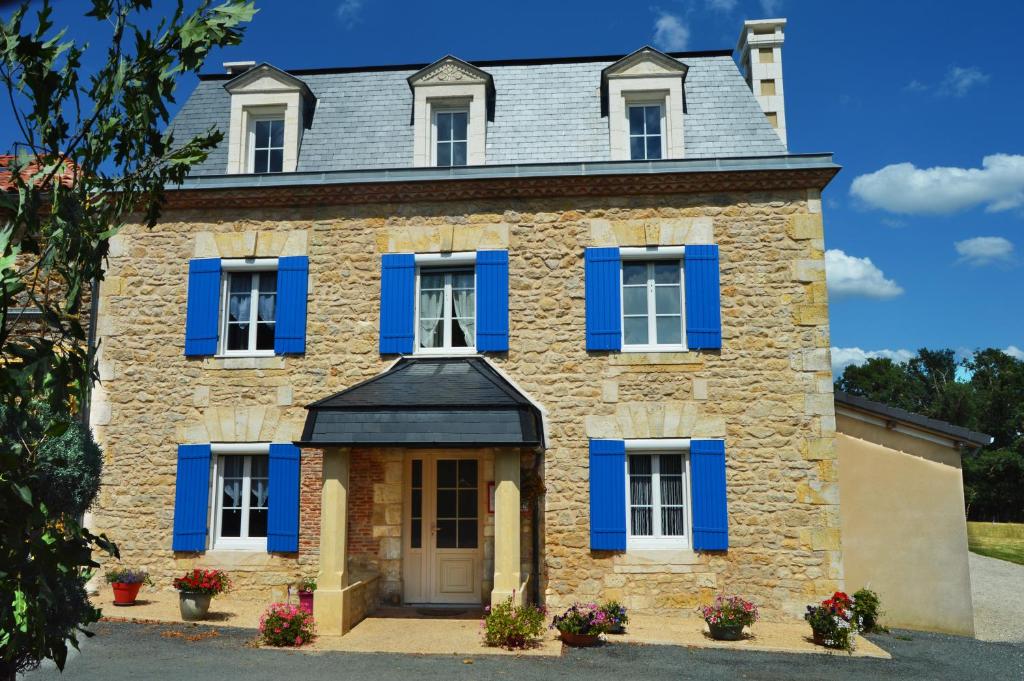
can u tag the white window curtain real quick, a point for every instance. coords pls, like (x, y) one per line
(431, 304)
(465, 311)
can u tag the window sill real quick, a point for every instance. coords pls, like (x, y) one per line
(244, 355)
(435, 352)
(651, 561)
(245, 362)
(630, 357)
(241, 560)
(653, 348)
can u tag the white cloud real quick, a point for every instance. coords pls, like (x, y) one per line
(850, 276)
(770, 7)
(844, 357)
(1014, 351)
(722, 5)
(960, 80)
(984, 250)
(348, 12)
(670, 33)
(905, 188)
(915, 86)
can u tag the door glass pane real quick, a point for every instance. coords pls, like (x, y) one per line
(416, 510)
(670, 330)
(417, 503)
(467, 503)
(417, 473)
(634, 300)
(446, 472)
(447, 533)
(635, 330)
(467, 534)
(467, 473)
(416, 530)
(446, 503)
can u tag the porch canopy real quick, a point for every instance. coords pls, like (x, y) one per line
(427, 402)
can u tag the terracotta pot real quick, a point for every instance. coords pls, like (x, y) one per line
(193, 606)
(306, 601)
(579, 640)
(727, 632)
(125, 594)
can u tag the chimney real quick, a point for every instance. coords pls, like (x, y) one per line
(760, 49)
(234, 68)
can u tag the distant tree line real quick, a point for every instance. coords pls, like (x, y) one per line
(983, 392)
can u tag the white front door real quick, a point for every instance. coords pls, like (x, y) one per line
(444, 538)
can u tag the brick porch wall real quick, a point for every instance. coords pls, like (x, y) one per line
(310, 481)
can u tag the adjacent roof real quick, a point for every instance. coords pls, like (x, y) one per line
(911, 419)
(424, 402)
(547, 111)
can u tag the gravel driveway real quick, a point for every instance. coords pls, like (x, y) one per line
(997, 589)
(122, 652)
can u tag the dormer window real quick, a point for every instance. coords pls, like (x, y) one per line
(270, 109)
(266, 144)
(450, 132)
(452, 102)
(645, 132)
(642, 96)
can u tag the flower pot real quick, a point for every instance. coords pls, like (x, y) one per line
(194, 606)
(726, 632)
(306, 601)
(126, 593)
(579, 640)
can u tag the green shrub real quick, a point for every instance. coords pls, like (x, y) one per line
(867, 607)
(508, 626)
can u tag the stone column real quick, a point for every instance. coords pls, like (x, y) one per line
(333, 575)
(507, 558)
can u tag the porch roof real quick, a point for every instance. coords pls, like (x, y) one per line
(427, 402)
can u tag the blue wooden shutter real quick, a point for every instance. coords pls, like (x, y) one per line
(602, 270)
(191, 498)
(492, 301)
(707, 494)
(290, 320)
(203, 313)
(397, 308)
(283, 514)
(608, 495)
(703, 299)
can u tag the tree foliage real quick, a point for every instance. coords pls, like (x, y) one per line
(983, 392)
(92, 151)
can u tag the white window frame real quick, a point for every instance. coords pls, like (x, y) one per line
(442, 261)
(649, 253)
(437, 109)
(680, 447)
(218, 451)
(250, 138)
(251, 265)
(659, 102)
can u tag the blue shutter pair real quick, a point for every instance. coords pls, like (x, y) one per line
(202, 322)
(192, 498)
(608, 506)
(603, 272)
(398, 305)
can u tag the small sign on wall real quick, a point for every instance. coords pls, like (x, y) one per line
(490, 497)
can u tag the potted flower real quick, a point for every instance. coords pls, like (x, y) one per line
(727, 617)
(617, 617)
(196, 589)
(834, 622)
(581, 625)
(283, 624)
(306, 588)
(126, 583)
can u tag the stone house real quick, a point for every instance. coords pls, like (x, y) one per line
(554, 329)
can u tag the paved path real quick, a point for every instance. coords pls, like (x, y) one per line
(997, 589)
(122, 652)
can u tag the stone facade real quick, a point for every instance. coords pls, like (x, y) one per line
(768, 392)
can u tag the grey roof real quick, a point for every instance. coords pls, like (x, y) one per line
(545, 112)
(910, 418)
(427, 402)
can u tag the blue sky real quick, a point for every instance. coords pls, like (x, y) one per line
(921, 103)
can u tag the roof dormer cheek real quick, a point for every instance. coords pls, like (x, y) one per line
(270, 109)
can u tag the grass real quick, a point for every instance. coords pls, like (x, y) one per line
(1001, 548)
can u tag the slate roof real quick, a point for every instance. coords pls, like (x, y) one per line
(427, 402)
(546, 111)
(910, 418)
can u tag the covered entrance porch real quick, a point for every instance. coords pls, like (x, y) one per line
(421, 483)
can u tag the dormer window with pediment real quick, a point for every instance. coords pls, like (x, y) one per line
(270, 109)
(452, 102)
(642, 95)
